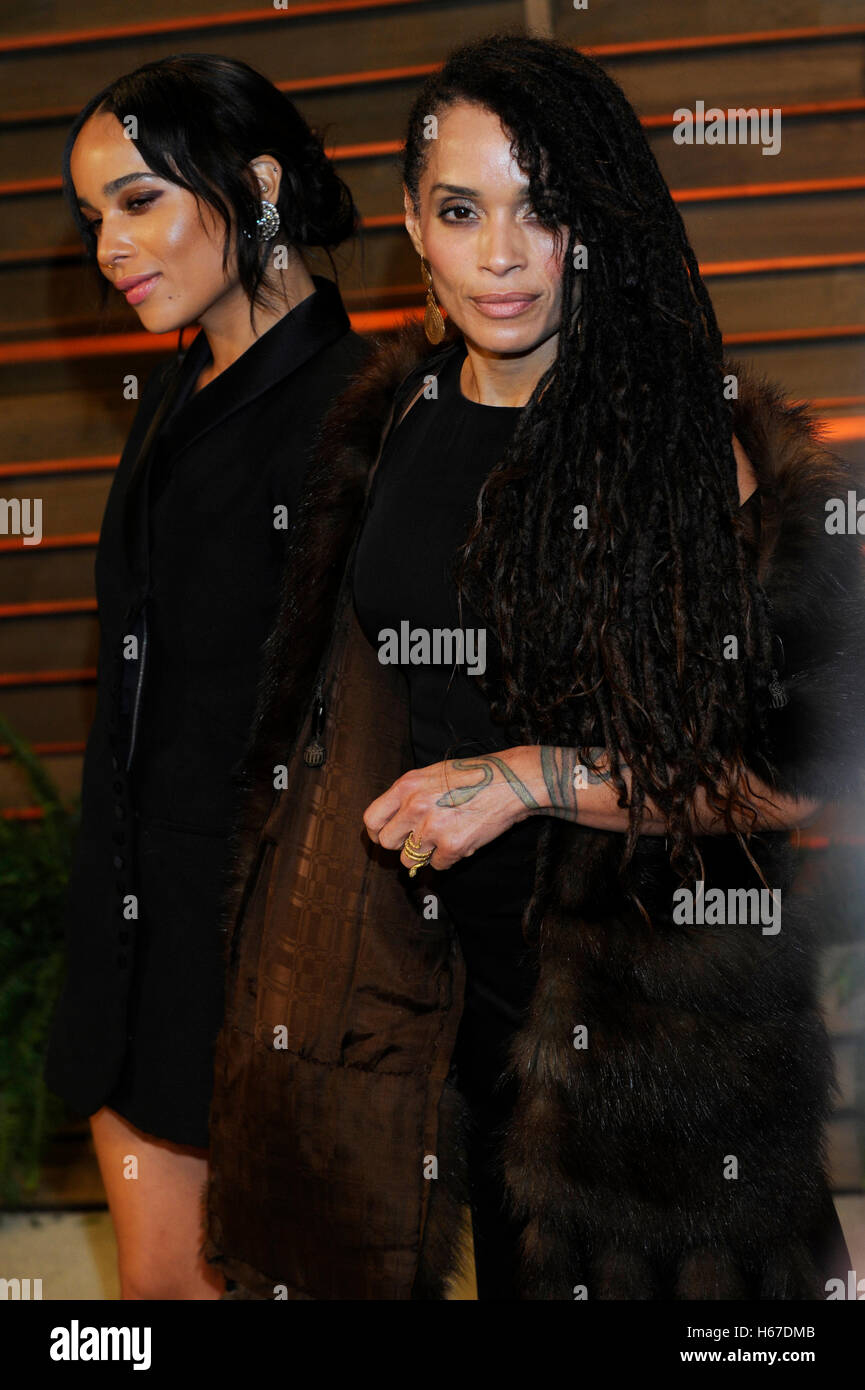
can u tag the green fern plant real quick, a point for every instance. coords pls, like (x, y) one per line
(35, 857)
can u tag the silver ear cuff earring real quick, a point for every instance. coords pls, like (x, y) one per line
(267, 223)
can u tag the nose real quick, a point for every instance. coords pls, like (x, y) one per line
(111, 244)
(502, 245)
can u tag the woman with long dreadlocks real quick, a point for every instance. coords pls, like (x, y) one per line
(583, 653)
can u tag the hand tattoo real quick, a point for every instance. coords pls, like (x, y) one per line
(558, 766)
(460, 795)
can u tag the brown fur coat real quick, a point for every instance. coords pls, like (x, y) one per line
(338, 1166)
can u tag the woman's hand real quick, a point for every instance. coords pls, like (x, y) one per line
(453, 807)
(456, 807)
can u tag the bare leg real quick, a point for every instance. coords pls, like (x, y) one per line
(155, 1195)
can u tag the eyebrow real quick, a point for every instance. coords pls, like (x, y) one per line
(468, 192)
(116, 184)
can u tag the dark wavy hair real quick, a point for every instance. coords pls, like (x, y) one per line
(200, 119)
(619, 628)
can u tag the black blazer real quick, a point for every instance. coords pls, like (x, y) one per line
(253, 429)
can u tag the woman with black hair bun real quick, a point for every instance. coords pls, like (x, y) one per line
(580, 657)
(197, 186)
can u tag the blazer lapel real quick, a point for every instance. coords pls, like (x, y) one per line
(307, 328)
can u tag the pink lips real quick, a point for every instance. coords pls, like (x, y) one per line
(503, 306)
(137, 287)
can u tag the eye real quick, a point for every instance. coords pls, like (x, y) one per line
(455, 207)
(141, 202)
(533, 213)
(134, 206)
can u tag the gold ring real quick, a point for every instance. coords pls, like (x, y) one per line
(412, 849)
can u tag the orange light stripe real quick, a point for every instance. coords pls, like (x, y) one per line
(73, 541)
(36, 608)
(789, 111)
(824, 841)
(47, 749)
(358, 79)
(774, 264)
(790, 335)
(782, 189)
(78, 677)
(103, 345)
(382, 220)
(709, 41)
(14, 187)
(108, 344)
(844, 430)
(94, 464)
(369, 149)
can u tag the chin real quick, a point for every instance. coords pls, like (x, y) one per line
(513, 341)
(161, 323)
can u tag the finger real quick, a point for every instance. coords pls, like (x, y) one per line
(380, 811)
(394, 834)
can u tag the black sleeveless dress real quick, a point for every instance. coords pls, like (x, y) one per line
(421, 509)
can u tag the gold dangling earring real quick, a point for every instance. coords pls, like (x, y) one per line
(433, 323)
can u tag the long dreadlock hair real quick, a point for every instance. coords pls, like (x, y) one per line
(619, 627)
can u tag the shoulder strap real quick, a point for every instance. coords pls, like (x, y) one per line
(407, 392)
(415, 380)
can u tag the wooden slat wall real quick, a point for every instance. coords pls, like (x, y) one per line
(781, 241)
